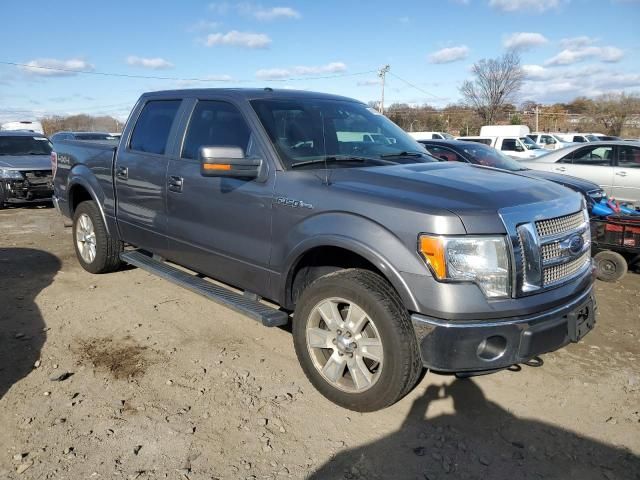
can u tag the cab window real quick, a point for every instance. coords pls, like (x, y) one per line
(151, 132)
(216, 124)
(593, 155)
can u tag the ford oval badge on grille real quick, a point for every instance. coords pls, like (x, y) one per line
(575, 244)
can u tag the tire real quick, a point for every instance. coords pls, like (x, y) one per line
(106, 249)
(610, 266)
(386, 330)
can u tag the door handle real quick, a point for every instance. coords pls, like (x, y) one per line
(621, 174)
(122, 173)
(175, 183)
(561, 169)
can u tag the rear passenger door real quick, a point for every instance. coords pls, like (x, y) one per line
(220, 226)
(626, 178)
(140, 176)
(593, 162)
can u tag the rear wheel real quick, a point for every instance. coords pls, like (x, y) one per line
(610, 266)
(96, 250)
(355, 341)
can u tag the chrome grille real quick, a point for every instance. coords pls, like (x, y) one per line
(558, 273)
(551, 251)
(559, 225)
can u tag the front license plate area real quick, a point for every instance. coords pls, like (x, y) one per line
(581, 321)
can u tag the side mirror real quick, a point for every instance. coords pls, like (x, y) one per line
(228, 162)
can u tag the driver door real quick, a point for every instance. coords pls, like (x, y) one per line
(594, 163)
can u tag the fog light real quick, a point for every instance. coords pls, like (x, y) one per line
(492, 348)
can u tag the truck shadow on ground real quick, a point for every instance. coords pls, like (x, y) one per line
(25, 273)
(480, 440)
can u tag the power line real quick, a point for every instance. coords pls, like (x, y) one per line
(178, 79)
(416, 87)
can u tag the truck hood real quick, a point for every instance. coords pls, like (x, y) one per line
(574, 183)
(473, 193)
(26, 162)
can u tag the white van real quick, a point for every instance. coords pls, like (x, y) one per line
(431, 135)
(520, 148)
(550, 141)
(28, 125)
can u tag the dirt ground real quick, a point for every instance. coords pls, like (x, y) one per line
(127, 376)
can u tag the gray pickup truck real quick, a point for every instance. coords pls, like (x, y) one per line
(384, 260)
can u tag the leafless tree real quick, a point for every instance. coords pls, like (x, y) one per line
(613, 109)
(495, 82)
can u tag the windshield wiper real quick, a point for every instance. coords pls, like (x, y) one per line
(402, 154)
(334, 159)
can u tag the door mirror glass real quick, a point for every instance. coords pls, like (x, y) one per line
(228, 162)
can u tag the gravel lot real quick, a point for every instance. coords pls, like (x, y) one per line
(127, 376)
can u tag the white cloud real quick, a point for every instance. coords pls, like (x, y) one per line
(274, 13)
(51, 67)
(280, 73)
(529, 6)
(535, 72)
(156, 63)
(238, 39)
(577, 42)
(569, 56)
(524, 40)
(450, 54)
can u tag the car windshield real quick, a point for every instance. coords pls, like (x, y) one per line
(94, 136)
(592, 138)
(25, 145)
(313, 133)
(530, 144)
(490, 157)
(447, 136)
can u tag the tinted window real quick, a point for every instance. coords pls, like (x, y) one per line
(595, 155)
(508, 144)
(444, 154)
(215, 124)
(23, 145)
(629, 157)
(94, 136)
(152, 128)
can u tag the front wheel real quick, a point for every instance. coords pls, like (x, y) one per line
(96, 250)
(354, 340)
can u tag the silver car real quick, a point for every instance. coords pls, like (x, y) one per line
(615, 166)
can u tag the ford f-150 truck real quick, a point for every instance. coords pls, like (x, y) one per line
(384, 260)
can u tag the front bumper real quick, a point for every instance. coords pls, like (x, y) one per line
(476, 346)
(33, 188)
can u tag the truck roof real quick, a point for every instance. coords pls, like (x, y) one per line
(20, 133)
(247, 93)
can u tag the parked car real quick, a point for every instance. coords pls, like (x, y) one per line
(615, 166)
(390, 260)
(607, 138)
(520, 148)
(578, 137)
(431, 135)
(25, 167)
(27, 125)
(550, 141)
(479, 154)
(100, 136)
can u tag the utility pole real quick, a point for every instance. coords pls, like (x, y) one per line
(382, 74)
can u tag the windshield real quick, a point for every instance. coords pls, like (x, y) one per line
(447, 136)
(529, 144)
(316, 133)
(490, 157)
(94, 136)
(24, 145)
(592, 138)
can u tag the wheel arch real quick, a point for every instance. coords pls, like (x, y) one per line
(81, 190)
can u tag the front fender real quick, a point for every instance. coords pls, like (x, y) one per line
(362, 236)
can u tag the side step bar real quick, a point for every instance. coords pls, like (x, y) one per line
(269, 317)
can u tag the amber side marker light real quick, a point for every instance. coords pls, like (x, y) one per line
(432, 250)
(216, 166)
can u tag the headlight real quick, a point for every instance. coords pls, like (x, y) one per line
(482, 260)
(10, 174)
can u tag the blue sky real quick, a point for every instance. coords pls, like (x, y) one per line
(568, 48)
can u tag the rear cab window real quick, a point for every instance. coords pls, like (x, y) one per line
(151, 131)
